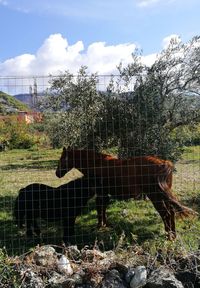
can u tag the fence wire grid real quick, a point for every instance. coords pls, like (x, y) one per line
(116, 179)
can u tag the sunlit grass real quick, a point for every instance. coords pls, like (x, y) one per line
(136, 222)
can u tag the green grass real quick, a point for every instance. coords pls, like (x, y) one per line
(131, 222)
(10, 102)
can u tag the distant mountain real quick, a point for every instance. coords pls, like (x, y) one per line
(27, 98)
(8, 104)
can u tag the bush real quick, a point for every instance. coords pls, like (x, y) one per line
(189, 135)
(9, 277)
(16, 134)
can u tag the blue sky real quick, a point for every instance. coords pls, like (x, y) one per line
(44, 36)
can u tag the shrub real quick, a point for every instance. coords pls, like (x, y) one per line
(16, 134)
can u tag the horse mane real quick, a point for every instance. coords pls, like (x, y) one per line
(90, 153)
(108, 156)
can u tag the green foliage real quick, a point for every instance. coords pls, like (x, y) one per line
(16, 134)
(72, 110)
(164, 97)
(9, 104)
(189, 134)
(8, 276)
(142, 112)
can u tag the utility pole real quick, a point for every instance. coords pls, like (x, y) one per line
(34, 94)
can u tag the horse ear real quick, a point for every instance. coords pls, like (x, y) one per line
(68, 148)
(64, 152)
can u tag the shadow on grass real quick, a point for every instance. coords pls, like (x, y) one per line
(189, 161)
(194, 203)
(6, 204)
(135, 227)
(140, 230)
(46, 164)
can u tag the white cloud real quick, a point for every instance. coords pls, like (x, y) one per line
(20, 65)
(57, 55)
(149, 59)
(3, 2)
(166, 40)
(148, 3)
(104, 59)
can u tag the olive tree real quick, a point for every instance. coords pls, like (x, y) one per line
(140, 113)
(72, 107)
(162, 98)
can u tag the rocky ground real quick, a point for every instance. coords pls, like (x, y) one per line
(62, 267)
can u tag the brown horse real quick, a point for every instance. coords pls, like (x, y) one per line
(128, 178)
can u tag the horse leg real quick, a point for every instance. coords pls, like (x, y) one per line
(172, 232)
(102, 203)
(168, 216)
(157, 196)
(166, 212)
(68, 228)
(36, 228)
(29, 231)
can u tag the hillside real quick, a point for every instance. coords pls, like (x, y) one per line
(24, 98)
(8, 104)
(27, 99)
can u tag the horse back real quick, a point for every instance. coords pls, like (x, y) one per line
(130, 177)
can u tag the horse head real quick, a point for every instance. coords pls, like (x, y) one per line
(73, 158)
(81, 159)
(64, 165)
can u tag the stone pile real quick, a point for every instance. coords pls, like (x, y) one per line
(87, 268)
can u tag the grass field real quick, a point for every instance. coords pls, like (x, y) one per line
(131, 222)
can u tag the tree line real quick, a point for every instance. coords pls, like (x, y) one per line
(145, 110)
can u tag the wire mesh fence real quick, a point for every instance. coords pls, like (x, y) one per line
(115, 181)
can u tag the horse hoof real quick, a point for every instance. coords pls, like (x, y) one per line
(171, 236)
(102, 226)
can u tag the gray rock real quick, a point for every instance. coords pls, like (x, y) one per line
(56, 280)
(60, 281)
(45, 256)
(77, 278)
(73, 252)
(64, 265)
(90, 255)
(85, 285)
(112, 279)
(129, 275)
(140, 277)
(69, 283)
(108, 258)
(163, 278)
(189, 279)
(32, 280)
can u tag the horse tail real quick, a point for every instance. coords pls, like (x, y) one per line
(168, 197)
(19, 209)
(182, 211)
(160, 190)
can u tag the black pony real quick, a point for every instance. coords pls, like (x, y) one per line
(62, 204)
